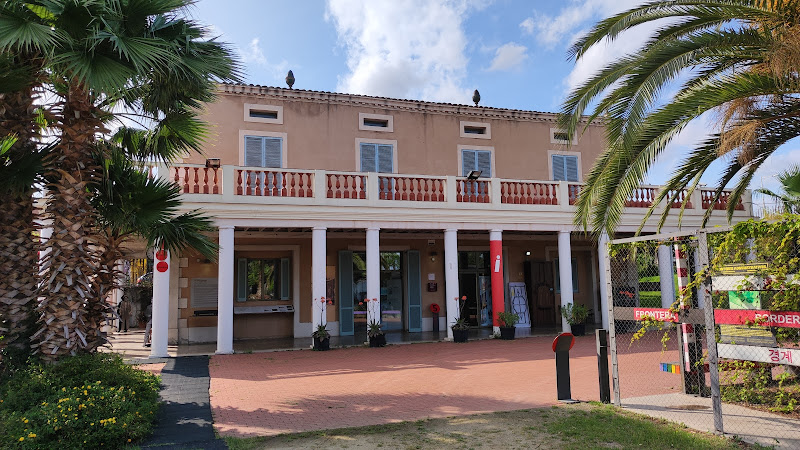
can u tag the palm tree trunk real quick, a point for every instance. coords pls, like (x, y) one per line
(19, 260)
(71, 255)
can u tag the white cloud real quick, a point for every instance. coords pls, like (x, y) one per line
(552, 30)
(253, 56)
(407, 49)
(253, 53)
(509, 56)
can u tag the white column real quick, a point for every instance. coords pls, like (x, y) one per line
(225, 292)
(451, 278)
(373, 275)
(665, 275)
(160, 308)
(565, 274)
(318, 249)
(602, 250)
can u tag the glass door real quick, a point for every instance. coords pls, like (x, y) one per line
(474, 282)
(391, 290)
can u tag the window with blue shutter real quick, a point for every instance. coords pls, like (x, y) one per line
(565, 167)
(476, 160)
(377, 157)
(263, 151)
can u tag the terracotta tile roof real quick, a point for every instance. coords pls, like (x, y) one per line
(387, 102)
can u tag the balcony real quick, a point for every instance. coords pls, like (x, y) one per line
(235, 185)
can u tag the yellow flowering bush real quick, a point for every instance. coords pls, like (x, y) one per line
(87, 401)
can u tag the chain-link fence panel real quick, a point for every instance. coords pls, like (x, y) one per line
(659, 333)
(668, 290)
(752, 281)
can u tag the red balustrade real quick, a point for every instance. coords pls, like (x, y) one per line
(342, 185)
(573, 191)
(642, 197)
(528, 193)
(274, 183)
(413, 189)
(196, 179)
(707, 198)
(473, 191)
(679, 199)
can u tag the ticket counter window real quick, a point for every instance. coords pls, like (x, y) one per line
(264, 279)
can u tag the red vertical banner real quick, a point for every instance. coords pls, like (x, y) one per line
(496, 268)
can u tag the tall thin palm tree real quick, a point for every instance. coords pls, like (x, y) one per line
(789, 199)
(142, 57)
(738, 59)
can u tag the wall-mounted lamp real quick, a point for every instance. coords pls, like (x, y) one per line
(527, 253)
(213, 163)
(433, 256)
(474, 174)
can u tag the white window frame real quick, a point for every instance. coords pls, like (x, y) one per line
(475, 147)
(389, 128)
(391, 142)
(553, 139)
(464, 124)
(257, 106)
(284, 144)
(550, 154)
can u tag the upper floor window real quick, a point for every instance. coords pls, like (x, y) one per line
(476, 130)
(263, 113)
(565, 167)
(375, 122)
(476, 160)
(263, 151)
(376, 157)
(559, 136)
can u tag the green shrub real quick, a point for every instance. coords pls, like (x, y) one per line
(86, 401)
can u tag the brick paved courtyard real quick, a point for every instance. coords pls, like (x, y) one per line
(280, 392)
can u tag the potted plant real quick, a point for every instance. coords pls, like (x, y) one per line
(460, 327)
(376, 336)
(507, 322)
(576, 315)
(322, 338)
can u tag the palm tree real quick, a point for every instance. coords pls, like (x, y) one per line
(789, 200)
(739, 59)
(19, 166)
(142, 57)
(131, 204)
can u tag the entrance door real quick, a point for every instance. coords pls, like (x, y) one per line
(391, 290)
(541, 293)
(474, 282)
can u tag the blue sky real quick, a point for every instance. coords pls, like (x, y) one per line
(513, 51)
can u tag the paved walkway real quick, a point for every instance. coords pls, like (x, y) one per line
(184, 418)
(273, 393)
(695, 412)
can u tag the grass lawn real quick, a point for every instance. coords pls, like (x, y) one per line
(581, 426)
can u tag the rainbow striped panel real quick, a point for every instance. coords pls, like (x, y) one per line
(670, 368)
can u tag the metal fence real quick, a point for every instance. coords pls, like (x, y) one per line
(705, 328)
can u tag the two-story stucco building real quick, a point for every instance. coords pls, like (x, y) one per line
(412, 203)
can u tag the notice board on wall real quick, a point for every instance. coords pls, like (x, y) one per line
(204, 293)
